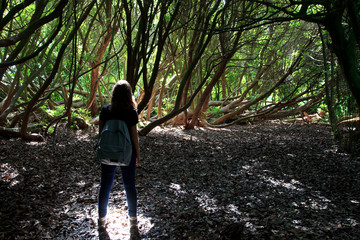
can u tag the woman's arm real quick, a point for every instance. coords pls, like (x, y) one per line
(135, 142)
(101, 126)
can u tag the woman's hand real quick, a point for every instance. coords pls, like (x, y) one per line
(137, 160)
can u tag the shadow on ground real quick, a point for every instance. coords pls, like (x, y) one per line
(265, 181)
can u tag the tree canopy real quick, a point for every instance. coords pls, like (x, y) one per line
(193, 63)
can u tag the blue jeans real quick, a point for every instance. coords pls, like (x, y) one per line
(107, 180)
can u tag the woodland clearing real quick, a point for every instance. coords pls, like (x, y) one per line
(262, 181)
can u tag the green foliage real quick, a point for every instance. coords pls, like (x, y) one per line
(214, 111)
(82, 113)
(51, 129)
(58, 111)
(266, 51)
(168, 105)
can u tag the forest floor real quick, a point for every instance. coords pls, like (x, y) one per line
(262, 181)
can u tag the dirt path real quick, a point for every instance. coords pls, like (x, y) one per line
(266, 181)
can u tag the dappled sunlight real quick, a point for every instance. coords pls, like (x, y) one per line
(284, 203)
(204, 201)
(80, 183)
(33, 143)
(251, 178)
(188, 189)
(183, 134)
(177, 189)
(234, 209)
(292, 185)
(315, 202)
(186, 134)
(86, 136)
(118, 221)
(82, 216)
(207, 203)
(8, 175)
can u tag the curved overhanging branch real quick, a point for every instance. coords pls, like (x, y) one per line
(34, 54)
(48, 81)
(35, 26)
(267, 113)
(174, 112)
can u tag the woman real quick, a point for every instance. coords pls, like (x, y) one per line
(123, 107)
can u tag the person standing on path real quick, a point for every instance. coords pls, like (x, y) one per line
(123, 107)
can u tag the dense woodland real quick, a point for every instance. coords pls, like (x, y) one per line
(221, 87)
(194, 63)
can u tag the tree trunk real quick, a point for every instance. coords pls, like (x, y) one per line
(345, 48)
(226, 56)
(262, 96)
(95, 76)
(207, 92)
(52, 75)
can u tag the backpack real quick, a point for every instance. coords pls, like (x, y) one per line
(114, 146)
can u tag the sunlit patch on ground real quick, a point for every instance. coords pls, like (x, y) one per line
(35, 143)
(267, 181)
(118, 223)
(8, 174)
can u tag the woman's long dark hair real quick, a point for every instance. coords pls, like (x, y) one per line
(122, 98)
